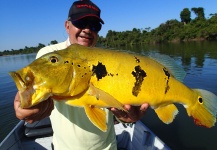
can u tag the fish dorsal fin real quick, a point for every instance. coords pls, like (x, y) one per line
(167, 113)
(176, 70)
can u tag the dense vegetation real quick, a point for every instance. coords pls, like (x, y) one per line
(188, 29)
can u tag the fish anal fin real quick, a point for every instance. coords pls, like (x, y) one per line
(167, 113)
(97, 116)
(105, 97)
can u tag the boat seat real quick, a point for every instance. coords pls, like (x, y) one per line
(38, 129)
(123, 141)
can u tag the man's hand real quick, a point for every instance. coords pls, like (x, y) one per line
(34, 113)
(134, 113)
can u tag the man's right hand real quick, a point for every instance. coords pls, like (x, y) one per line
(34, 113)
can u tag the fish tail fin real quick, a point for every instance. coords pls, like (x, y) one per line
(205, 109)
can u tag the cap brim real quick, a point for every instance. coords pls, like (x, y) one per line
(89, 15)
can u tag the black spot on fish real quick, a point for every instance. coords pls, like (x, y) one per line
(110, 74)
(166, 72)
(167, 87)
(79, 65)
(137, 59)
(66, 62)
(139, 75)
(200, 99)
(72, 63)
(99, 70)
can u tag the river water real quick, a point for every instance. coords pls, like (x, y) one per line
(199, 60)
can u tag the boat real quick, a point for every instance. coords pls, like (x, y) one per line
(38, 136)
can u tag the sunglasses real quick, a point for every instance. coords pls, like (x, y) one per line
(83, 23)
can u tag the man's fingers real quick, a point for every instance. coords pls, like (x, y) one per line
(133, 114)
(144, 107)
(34, 113)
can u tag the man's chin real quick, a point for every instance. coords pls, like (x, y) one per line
(85, 43)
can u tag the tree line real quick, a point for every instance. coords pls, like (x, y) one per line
(26, 50)
(188, 29)
(172, 30)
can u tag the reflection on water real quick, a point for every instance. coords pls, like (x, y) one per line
(199, 60)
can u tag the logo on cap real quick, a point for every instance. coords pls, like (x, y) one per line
(87, 6)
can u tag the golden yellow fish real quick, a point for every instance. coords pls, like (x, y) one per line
(96, 78)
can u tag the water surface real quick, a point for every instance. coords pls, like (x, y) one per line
(199, 60)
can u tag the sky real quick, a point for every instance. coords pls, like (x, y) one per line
(30, 22)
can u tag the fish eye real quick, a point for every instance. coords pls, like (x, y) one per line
(200, 100)
(53, 59)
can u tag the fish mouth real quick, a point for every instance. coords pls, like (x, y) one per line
(25, 89)
(18, 80)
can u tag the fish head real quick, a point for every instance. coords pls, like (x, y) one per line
(50, 75)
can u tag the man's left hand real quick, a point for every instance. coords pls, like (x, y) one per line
(134, 113)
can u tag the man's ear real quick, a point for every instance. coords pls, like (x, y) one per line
(67, 26)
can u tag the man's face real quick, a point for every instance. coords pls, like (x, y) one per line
(81, 36)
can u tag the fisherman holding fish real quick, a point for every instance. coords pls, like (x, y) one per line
(72, 128)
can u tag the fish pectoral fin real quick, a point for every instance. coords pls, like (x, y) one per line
(105, 97)
(76, 102)
(97, 116)
(167, 113)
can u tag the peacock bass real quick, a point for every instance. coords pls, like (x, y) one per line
(96, 78)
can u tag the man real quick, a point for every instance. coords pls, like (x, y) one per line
(72, 128)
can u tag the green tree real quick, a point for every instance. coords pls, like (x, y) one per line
(199, 12)
(40, 45)
(53, 42)
(185, 15)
